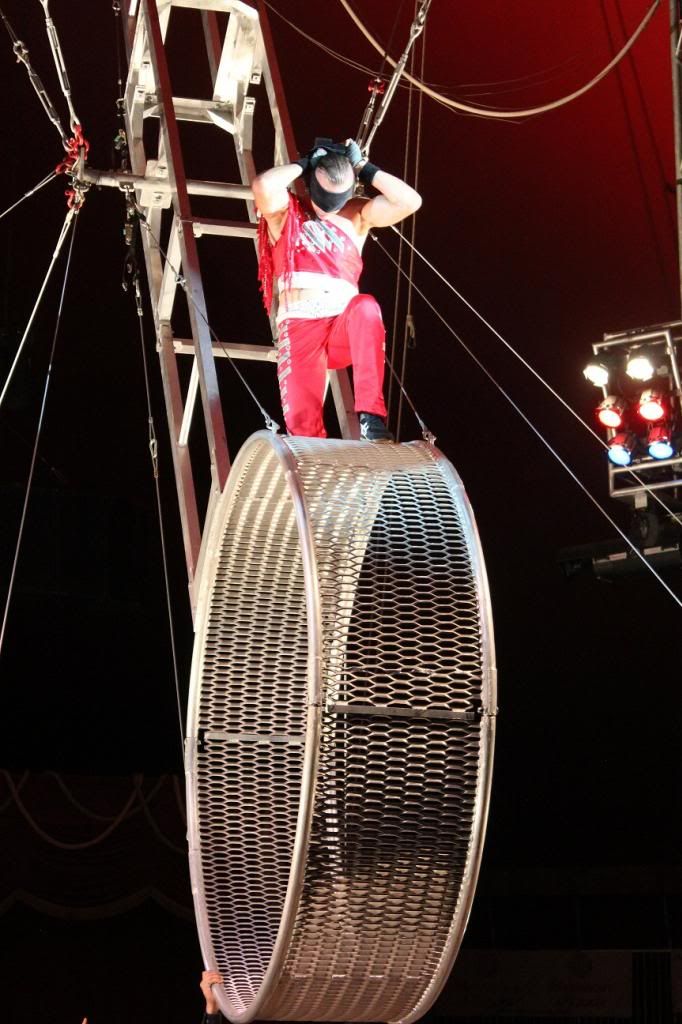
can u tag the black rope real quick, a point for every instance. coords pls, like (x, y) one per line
(36, 443)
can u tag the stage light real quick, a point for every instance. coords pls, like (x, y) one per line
(597, 374)
(659, 443)
(621, 448)
(651, 405)
(611, 412)
(639, 366)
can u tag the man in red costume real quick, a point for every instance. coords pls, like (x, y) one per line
(310, 258)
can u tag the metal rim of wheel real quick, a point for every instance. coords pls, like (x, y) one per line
(340, 730)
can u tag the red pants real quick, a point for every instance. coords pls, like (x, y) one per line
(308, 348)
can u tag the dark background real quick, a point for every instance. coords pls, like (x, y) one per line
(557, 228)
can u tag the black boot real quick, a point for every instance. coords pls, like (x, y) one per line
(373, 428)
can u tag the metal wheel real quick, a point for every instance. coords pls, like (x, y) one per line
(340, 730)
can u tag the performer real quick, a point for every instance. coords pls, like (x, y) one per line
(212, 1014)
(310, 255)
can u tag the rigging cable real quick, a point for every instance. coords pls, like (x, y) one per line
(132, 268)
(22, 58)
(131, 271)
(70, 214)
(487, 112)
(531, 369)
(53, 38)
(377, 86)
(36, 188)
(270, 423)
(409, 330)
(632, 138)
(36, 443)
(633, 547)
(544, 75)
(416, 30)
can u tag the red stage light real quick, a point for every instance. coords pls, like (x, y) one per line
(611, 412)
(651, 405)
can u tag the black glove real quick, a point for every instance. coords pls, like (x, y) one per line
(310, 160)
(353, 152)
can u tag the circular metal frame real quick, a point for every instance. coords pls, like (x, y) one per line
(340, 730)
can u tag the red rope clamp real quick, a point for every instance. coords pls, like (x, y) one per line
(377, 86)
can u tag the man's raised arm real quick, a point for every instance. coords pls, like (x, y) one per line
(270, 188)
(396, 200)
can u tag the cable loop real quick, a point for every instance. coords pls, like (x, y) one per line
(483, 111)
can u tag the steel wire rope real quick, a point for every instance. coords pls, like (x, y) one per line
(633, 547)
(531, 369)
(60, 242)
(409, 320)
(154, 454)
(59, 843)
(59, 63)
(481, 111)
(546, 74)
(36, 443)
(54, 470)
(398, 275)
(427, 434)
(95, 815)
(270, 423)
(327, 49)
(504, 85)
(121, 144)
(21, 54)
(634, 145)
(36, 188)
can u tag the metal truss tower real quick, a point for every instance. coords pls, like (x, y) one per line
(239, 56)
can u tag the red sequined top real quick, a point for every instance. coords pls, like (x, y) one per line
(310, 253)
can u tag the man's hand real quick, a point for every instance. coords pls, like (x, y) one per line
(209, 978)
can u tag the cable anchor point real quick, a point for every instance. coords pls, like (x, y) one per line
(73, 164)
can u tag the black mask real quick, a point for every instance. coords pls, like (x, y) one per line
(330, 202)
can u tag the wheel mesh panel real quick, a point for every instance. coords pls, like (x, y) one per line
(406, 692)
(253, 692)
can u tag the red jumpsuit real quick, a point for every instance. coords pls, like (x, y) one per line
(341, 329)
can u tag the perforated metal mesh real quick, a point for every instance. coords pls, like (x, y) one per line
(340, 732)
